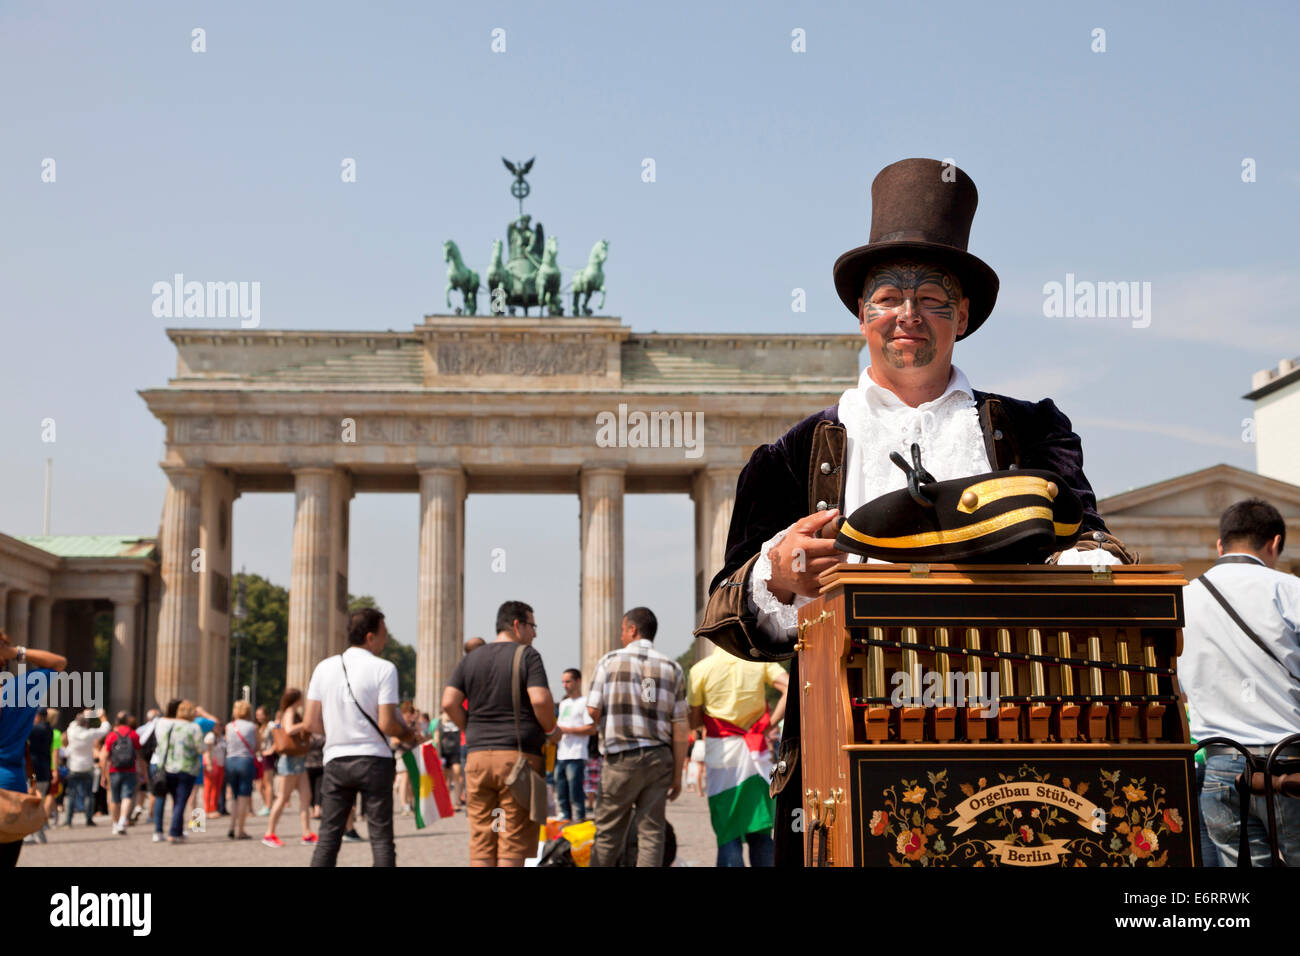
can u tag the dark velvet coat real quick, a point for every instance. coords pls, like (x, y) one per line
(773, 493)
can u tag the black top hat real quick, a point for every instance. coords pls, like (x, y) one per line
(1003, 517)
(921, 208)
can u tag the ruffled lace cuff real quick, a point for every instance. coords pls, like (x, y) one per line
(774, 618)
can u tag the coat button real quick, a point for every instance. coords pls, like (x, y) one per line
(826, 468)
(821, 506)
(754, 652)
(997, 434)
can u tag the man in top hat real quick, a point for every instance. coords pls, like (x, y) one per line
(915, 291)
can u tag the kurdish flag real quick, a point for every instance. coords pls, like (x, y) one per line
(432, 801)
(739, 766)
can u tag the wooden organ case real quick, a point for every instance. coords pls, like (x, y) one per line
(995, 715)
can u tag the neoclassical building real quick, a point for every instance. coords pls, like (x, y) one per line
(53, 586)
(459, 405)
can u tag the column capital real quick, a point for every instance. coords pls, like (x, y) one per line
(439, 468)
(604, 468)
(719, 471)
(174, 470)
(327, 470)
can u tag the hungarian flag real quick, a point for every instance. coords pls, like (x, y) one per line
(739, 767)
(432, 801)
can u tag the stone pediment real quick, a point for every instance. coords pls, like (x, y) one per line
(1200, 494)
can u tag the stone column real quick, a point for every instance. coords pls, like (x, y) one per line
(311, 590)
(59, 627)
(441, 582)
(714, 493)
(39, 624)
(177, 673)
(601, 518)
(340, 515)
(216, 495)
(17, 617)
(121, 678)
(4, 604)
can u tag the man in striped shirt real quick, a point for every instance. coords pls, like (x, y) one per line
(638, 700)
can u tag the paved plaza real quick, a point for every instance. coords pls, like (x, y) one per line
(444, 843)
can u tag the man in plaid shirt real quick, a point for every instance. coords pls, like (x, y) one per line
(638, 700)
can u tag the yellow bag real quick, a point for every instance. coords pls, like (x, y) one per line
(581, 836)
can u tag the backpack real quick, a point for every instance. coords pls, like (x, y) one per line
(149, 746)
(121, 756)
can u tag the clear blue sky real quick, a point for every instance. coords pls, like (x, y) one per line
(1115, 166)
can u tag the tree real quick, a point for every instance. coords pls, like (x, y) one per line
(402, 655)
(263, 638)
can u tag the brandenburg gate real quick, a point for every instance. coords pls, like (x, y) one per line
(461, 404)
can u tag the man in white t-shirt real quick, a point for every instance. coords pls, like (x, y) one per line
(352, 700)
(80, 739)
(575, 726)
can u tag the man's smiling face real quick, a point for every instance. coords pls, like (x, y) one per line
(911, 314)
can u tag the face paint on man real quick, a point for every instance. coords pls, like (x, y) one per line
(911, 312)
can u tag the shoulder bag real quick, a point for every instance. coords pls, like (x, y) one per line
(526, 784)
(258, 767)
(347, 680)
(158, 775)
(1288, 778)
(21, 813)
(290, 745)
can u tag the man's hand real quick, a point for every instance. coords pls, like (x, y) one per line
(805, 552)
(675, 790)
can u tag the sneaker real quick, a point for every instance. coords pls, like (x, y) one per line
(352, 836)
(309, 838)
(272, 840)
(118, 829)
(157, 837)
(135, 813)
(264, 812)
(230, 834)
(40, 836)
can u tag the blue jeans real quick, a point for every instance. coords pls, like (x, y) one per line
(1222, 813)
(760, 850)
(1209, 852)
(121, 786)
(239, 776)
(179, 786)
(568, 789)
(78, 792)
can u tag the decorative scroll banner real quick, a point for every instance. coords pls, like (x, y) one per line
(1089, 815)
(1049, 854)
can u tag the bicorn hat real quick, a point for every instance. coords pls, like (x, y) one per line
(921, 208)
(1003, 517)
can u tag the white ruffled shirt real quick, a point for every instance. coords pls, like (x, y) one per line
(877, 422)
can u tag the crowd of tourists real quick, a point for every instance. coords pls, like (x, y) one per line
(614, 753)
